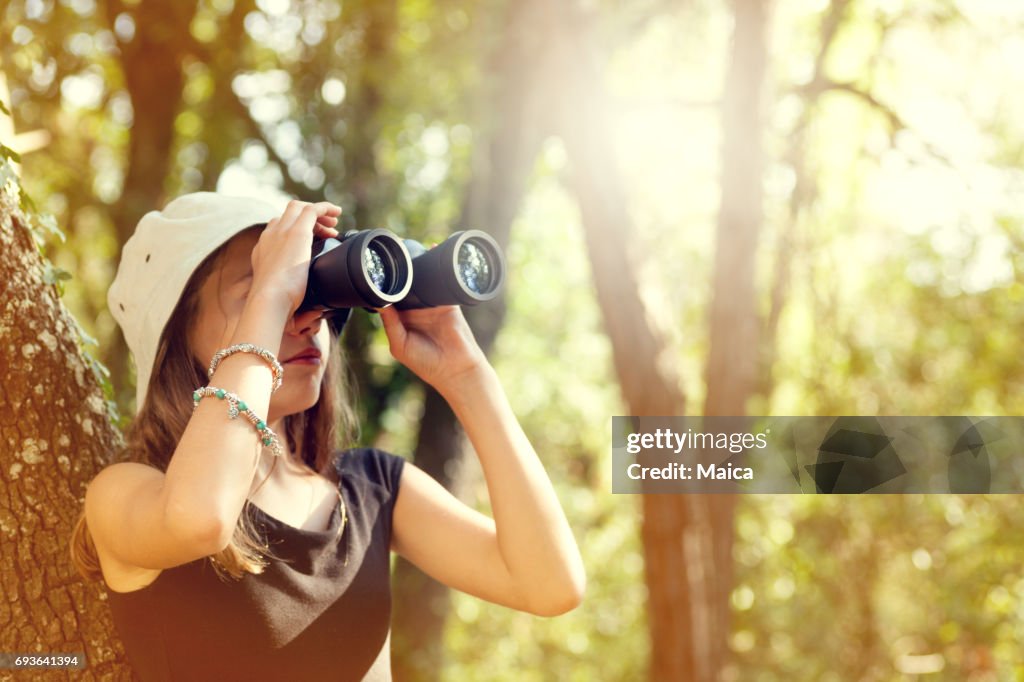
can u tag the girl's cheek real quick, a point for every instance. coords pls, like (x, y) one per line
(235, 313)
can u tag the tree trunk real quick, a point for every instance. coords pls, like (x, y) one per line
(687, 538)
(222, 135)
(378, 22)
(55, 435)
(677, 568)
(733, 361)
(152, 66)
(514, 119)
(789, 240)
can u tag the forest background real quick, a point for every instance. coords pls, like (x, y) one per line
(798, 207)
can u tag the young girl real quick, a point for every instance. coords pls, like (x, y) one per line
(235, 540)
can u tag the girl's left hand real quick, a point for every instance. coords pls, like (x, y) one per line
(435, 343)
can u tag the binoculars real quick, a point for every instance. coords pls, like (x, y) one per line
(374, 268)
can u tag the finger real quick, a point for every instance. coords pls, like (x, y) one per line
(306, 220)
(291, 213)
(323, 210)
(326, 208)
(324, 232)
(393, 327)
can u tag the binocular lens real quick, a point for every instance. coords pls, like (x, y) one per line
(373, 260)
(465, 269)
(368, 268)
(474, 267)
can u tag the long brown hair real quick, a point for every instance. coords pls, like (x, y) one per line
(154, 433)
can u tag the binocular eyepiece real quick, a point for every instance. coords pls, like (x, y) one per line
(374, 268)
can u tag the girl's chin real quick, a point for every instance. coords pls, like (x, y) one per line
(293, 404)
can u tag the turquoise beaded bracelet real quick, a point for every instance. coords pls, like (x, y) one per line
(236, 406)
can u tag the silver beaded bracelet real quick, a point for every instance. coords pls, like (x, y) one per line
(270, 358)
(236, 406)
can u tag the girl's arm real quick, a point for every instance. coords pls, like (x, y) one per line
(526, 557)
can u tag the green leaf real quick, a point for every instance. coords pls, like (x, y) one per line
(48, 223)
(101, 369)
(53, 274)
(89, 341)
(27, 205)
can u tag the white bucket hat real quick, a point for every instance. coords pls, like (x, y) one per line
(158, 260)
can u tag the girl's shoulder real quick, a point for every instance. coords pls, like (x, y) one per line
(372, 465)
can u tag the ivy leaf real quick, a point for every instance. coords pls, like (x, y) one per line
(26, 203)
(89, 341)
(54, 275)
(49, 223)
(101, 370)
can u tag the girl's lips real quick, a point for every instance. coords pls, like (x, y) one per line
(304, 360)
(307, 357)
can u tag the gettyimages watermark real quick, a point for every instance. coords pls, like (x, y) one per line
(818, 455)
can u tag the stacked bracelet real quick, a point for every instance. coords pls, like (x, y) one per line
(238, 407)
(270, 358)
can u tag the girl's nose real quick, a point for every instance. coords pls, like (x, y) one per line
(305, 321)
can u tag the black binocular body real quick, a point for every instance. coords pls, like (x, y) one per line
(374, 268)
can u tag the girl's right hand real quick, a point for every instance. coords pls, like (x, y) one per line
(280, 259)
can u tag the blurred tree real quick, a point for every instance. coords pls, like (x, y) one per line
(374, 66)
(151, 55)
(735, 345)
(511, 115)
(687, 539)
(648, 377)
(916, 338)
(789, 240)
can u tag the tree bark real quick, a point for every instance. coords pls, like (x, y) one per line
(55, 435)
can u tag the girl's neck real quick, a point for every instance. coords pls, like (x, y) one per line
(292, 459)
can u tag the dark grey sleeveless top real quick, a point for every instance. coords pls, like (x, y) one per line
(308, 616)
